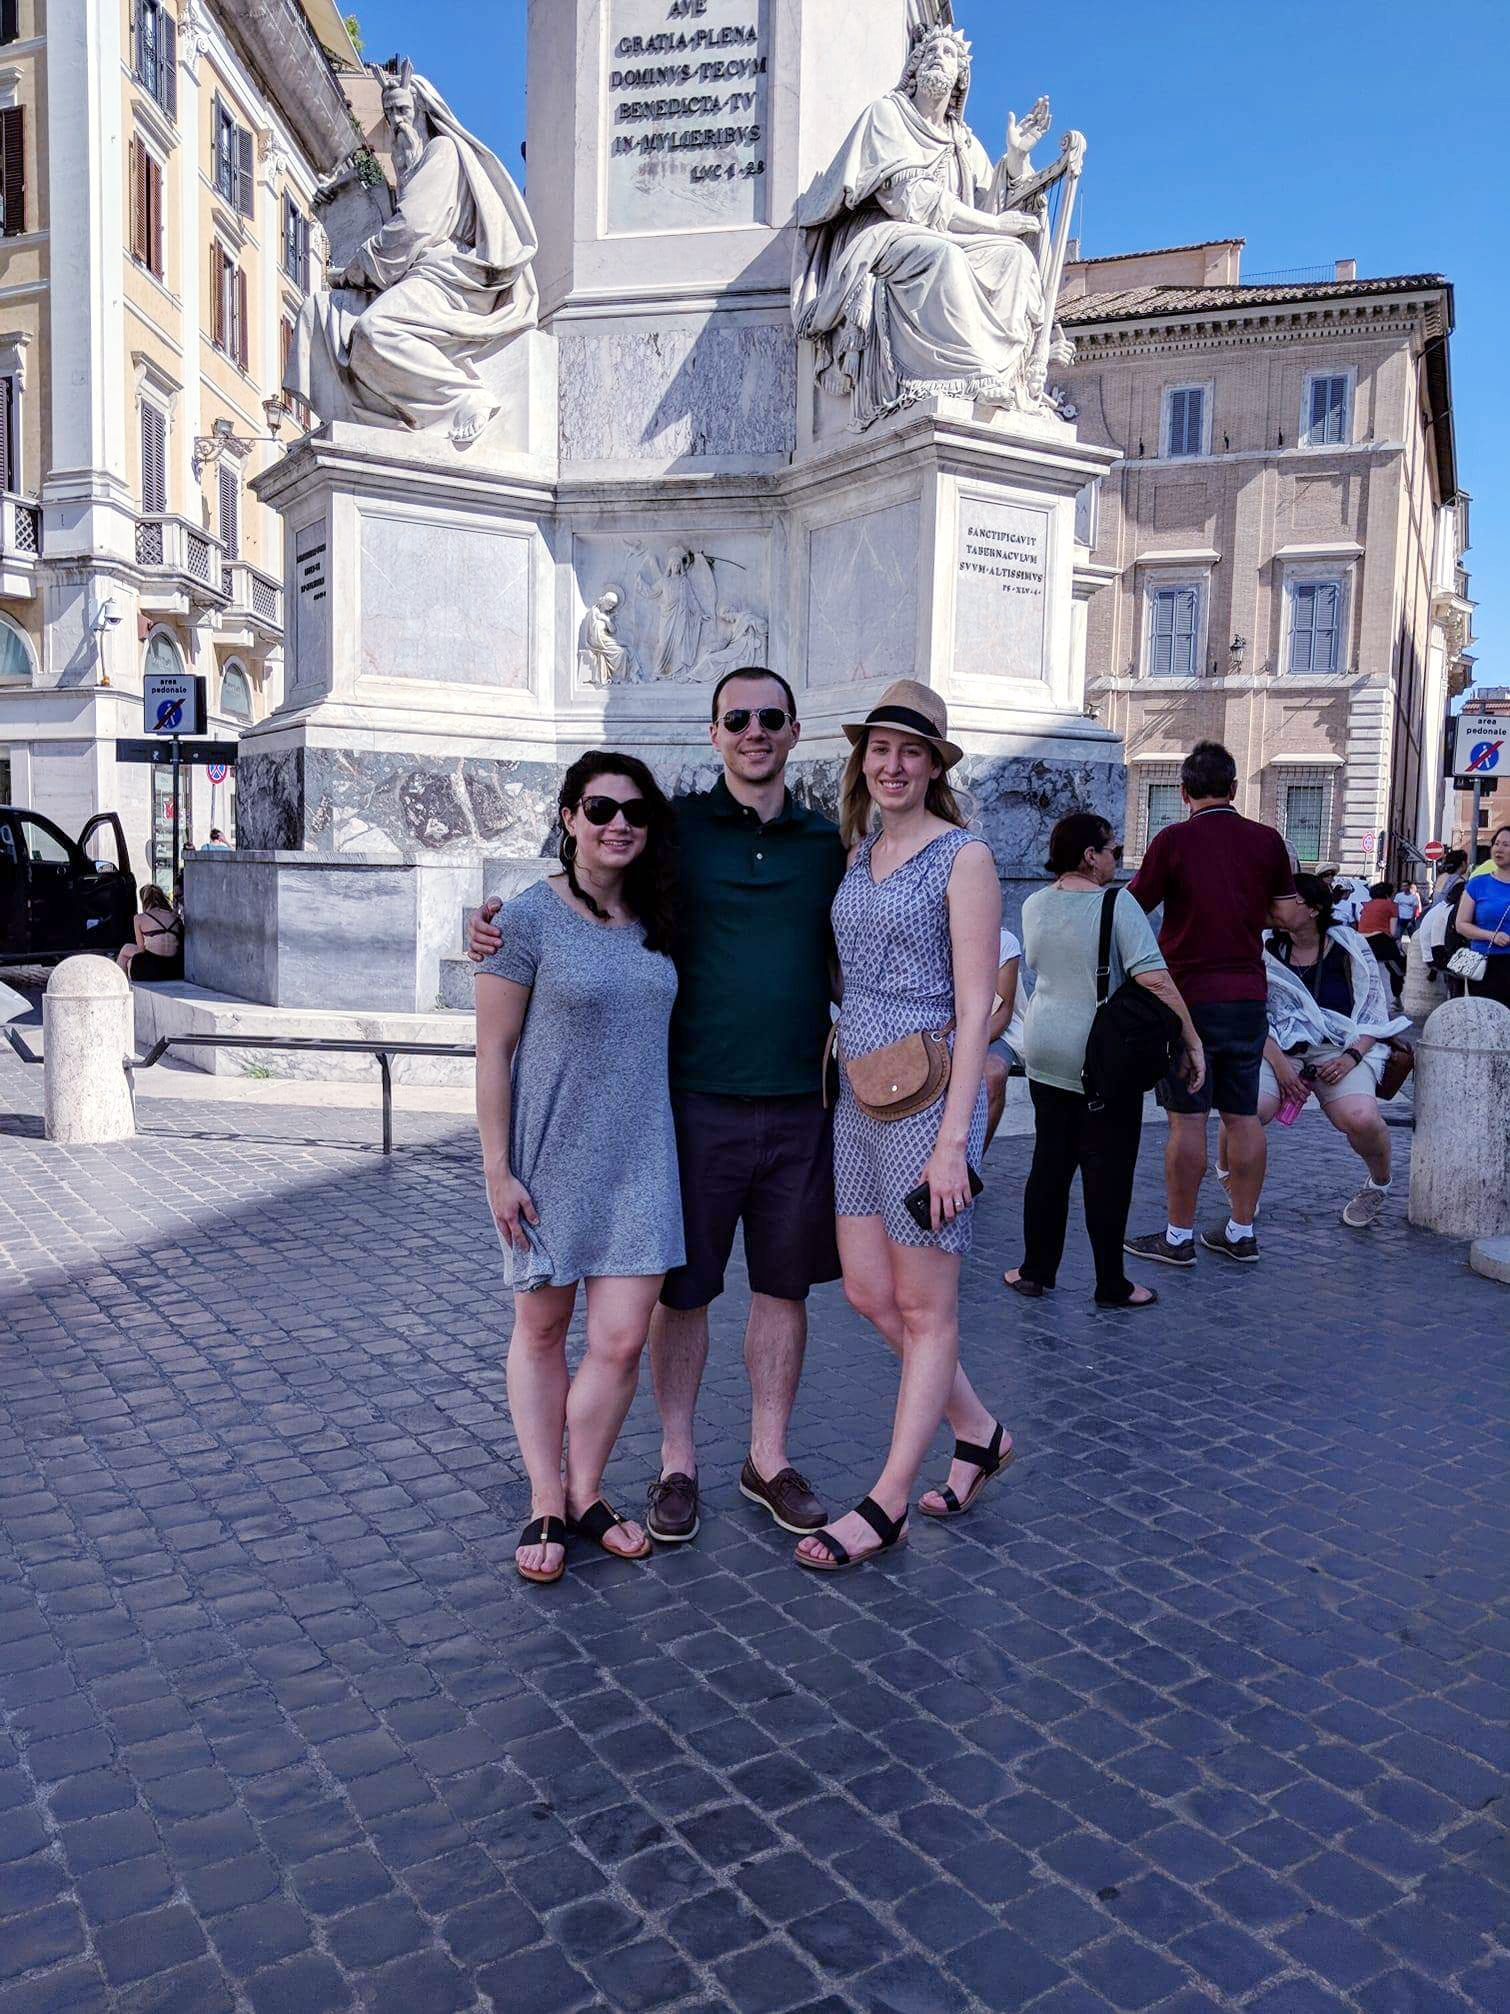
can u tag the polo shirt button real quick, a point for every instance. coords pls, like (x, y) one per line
(760, 856)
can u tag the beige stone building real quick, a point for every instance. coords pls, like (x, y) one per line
(1281, 546)
(160, 162)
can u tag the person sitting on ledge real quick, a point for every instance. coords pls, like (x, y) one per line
(158, 952)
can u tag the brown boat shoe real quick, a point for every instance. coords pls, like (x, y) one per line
(671, 1514)
(787, 1496)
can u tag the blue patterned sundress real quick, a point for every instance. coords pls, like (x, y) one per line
(898, 967)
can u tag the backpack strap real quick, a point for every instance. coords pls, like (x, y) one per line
(1104, 950)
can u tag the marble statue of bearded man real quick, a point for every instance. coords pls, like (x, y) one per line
(908, 276)
(446, 278)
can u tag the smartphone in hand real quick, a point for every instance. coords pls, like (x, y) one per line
(919, 1204)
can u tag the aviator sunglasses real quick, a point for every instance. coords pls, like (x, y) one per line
(603, 810)
(771, 718)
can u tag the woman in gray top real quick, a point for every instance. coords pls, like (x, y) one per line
(1061, 930)
(574, 1109)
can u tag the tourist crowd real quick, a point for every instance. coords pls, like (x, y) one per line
(728, 1014)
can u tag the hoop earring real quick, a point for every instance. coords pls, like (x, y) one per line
(567, 850)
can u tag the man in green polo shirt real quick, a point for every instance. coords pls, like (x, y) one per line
(755, 1145)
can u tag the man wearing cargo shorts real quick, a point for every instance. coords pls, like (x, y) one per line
(758, 872)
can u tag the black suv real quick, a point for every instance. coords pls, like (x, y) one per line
(59, 895)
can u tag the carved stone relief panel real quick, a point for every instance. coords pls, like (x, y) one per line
(678, 608)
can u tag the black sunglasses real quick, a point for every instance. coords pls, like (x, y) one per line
(603, 811)
(771, 718)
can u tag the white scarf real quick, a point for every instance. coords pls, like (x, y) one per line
(1295, 1018)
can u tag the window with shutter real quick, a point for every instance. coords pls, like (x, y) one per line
(157, 54)
(152, 191)
(1315, 626)
(230, 526)
(10, 475)
(217, 294)
(154, 459)
(1325, 420)
(136, 155)
(13, 169)
(222, 150)
(240, 352)
(1174, 624)
(295, 245)
(1184, 432)
(245, 186)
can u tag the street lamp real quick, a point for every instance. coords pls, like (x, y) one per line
(210, 447)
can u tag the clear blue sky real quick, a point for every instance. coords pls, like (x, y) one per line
(1365, 129)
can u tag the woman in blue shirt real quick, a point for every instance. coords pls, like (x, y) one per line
(1483, 918)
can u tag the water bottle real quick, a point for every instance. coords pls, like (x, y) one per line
(1295, 1103)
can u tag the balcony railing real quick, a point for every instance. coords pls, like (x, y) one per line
(20, 526)
(251, 589)
(172, 545)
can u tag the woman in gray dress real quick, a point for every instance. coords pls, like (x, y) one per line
(917, 923)
(574, 1108)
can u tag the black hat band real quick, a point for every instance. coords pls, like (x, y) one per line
(903, 716)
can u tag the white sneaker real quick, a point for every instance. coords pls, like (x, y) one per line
(1365, 1208)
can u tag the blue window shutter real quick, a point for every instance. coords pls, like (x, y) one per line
(1302, 623)
(1316, 427)
(168, 52)
(1163, 632)
(1325, 627)
(1185, 631)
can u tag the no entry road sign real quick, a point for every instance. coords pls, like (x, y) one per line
(1433, 849)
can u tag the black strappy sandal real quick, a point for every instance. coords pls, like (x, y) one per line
(891, 1532)
(543, 1531)
(596, 1521)
(990, 1461)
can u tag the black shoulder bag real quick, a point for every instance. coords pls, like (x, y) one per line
(1135, 1040)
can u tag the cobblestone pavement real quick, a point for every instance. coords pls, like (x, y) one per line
(1204, 1707)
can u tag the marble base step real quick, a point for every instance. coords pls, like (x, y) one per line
(177, 1008)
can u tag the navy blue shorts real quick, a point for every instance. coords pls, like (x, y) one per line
(1233, 1034)
(767, 1163)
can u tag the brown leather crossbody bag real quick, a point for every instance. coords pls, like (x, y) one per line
(906, 1076)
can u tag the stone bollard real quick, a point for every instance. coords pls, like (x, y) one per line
(1421, 991)
(1460, 1159)
(86, 1030)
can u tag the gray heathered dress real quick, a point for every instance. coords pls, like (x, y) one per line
(591, 1136)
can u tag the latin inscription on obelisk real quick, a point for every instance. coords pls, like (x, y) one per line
(686, 132)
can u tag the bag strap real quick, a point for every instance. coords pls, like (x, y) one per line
(1104, 951)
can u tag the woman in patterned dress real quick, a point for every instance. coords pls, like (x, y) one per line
(916, 920)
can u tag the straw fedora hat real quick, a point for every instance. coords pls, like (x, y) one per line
(916, 707)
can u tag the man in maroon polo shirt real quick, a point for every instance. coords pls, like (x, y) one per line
(1222, 879)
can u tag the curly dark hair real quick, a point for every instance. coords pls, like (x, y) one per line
(650, 886)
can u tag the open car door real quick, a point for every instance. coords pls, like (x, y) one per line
(105, 893)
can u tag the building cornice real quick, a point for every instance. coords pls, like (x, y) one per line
(1382, 318)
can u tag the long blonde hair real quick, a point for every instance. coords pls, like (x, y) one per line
(857, 808)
